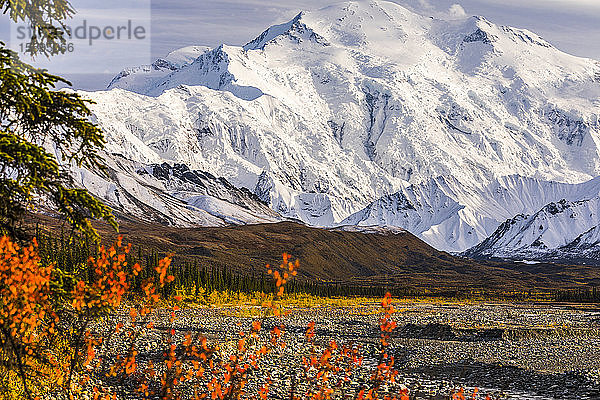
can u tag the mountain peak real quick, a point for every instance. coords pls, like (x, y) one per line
(296, 31)
(351, 23)
(273, 32)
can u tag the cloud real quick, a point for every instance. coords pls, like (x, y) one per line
(456, 11)
(425, 4)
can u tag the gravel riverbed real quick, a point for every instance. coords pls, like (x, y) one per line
(517, 351)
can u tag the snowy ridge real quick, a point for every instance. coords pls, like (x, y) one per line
(173, 195)
(367, 113)
(555, 228)
(180, 180)
(141, 79)
(464, 217)
(379, 230)
(585, 249)
(294, 30)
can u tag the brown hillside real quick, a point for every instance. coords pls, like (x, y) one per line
(385, 259)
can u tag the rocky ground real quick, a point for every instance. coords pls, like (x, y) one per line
(517, 351)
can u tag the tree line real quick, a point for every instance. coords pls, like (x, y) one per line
(580, 295)
(195, 277)
(192, 276)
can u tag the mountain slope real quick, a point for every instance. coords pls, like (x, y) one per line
(366, 104)
(385, 258)
(140, 79)
(552, 231)
(441, 209)
(173, 195)
(585, 249)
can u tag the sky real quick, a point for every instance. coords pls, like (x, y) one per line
(571, 25)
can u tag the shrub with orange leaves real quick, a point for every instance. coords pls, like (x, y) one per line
(27, 318)
(47, 348)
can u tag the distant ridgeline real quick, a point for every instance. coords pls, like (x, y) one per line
(198, 278)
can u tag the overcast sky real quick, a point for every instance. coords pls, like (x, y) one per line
(571, 25)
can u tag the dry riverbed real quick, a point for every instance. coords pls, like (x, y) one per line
(519, 351)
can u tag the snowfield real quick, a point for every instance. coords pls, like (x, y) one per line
(365, 113)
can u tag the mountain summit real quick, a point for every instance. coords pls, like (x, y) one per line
(366, 113)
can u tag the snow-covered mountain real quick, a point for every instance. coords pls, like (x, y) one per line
(563, 230)
(443, 213)
(143, 77)
(584, 249)
(367, 113)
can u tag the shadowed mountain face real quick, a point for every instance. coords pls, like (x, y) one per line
(390, 258)
(364, 113)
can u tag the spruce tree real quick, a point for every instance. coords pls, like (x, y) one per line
(43, 131)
